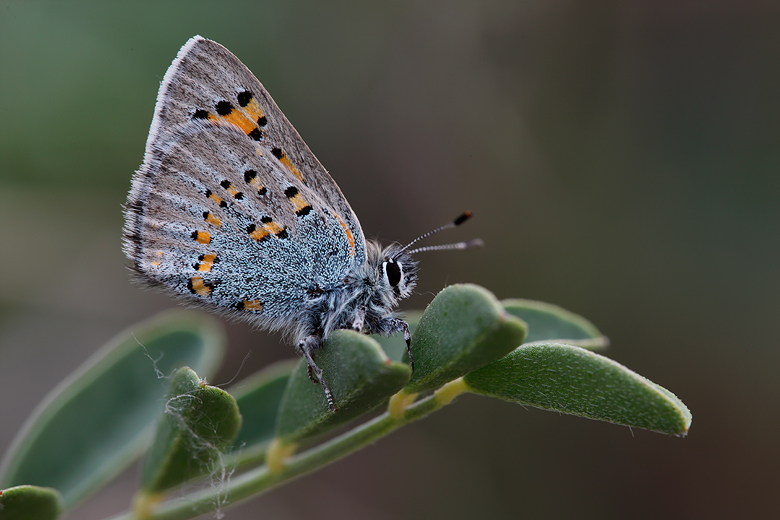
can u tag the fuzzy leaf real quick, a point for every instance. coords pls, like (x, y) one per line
(360, 376)
(575, 381)
(463, 329)
(200, 422)
(98, 420)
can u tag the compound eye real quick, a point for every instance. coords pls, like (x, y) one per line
(393, 273)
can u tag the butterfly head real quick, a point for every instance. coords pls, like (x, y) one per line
(394, 270)
(389, 275)
(398, 271)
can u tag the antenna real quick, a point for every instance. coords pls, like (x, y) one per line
(454, 223)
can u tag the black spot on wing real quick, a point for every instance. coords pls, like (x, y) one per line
(244, 98)
(224, 108)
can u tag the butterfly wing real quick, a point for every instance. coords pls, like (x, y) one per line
(230, 208)
(207, 82)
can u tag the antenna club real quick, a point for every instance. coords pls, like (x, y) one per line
(461, 219)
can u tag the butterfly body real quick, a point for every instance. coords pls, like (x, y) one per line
(231, 211)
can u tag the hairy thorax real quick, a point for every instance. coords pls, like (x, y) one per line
(365, 301)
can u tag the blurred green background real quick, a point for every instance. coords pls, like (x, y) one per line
(621, 160)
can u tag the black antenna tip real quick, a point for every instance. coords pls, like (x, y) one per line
(461, 219)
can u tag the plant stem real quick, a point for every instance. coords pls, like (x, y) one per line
(259, 480)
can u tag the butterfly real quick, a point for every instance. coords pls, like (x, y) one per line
(230, 210)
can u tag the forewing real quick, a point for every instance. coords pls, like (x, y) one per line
(208, 83)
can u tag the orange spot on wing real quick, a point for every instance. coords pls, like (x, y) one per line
(235, 118)
(273, 227)
(207, 263)
(213, 220)
(290, 166)
(298, 202)
(198, 287)
(255, 183)
(252, 305)
(216, 198)
(253, 110)
(266, 229)
(349, 236)
(202, 236)
(260, 233)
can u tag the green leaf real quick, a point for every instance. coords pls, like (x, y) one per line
(464, 328)
(200, 422)
(360, 376)
(93, 424)
(258, 398)
(572, 380)
(548, 322)
(30, 503)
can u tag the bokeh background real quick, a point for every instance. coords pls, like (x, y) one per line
(621, 160)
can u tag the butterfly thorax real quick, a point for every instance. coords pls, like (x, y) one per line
(365, 300)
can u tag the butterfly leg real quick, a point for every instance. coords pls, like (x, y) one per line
(390, 326)
(306, 346)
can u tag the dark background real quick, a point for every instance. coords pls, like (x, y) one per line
(621, 160)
